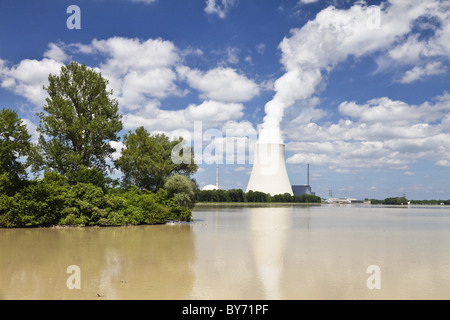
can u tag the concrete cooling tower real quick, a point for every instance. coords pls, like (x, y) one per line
(269, 173)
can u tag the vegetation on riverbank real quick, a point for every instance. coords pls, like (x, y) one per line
(73, 158)
(238, 195)
(404, 201)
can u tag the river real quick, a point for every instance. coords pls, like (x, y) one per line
(277, 252)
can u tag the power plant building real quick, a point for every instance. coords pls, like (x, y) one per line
(303, 189)
(269, 174)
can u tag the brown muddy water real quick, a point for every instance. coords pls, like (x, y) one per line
(277, 252)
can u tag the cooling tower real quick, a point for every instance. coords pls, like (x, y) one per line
(269, 173)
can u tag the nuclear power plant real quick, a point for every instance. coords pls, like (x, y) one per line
(303, 188)
(269, 173)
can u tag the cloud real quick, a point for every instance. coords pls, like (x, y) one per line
(138, 71)
(233, 55)
(221, 84)
(56, 53)
(308, 1)
(334, 35)
(144, 1)
(118, 146)
(261, 48)
(28, 78)
(32, 130)
(219, 7)
(142, 73)
(420, 73)
(210, 113)
(380, 133)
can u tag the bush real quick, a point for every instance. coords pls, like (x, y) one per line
(38, 204)
(85, 204)
(181, 188)
(52, 201)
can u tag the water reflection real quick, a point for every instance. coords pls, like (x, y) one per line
(269, 232)
(145, 262)
(238, 253)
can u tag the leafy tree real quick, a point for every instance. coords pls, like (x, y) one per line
(395, 201)
(38, 204)
(181, 188)
(146, 160)
(236, 195)
(286, 197)
(89, 175)
(307, 198)
(258, 196)
(14, 143)
(80, 120)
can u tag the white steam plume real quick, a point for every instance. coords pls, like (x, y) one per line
(329, 39)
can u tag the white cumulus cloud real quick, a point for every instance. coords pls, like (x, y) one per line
(28, 78)
(333, 36)
(380, 133)
(420, 73)
(222, 84)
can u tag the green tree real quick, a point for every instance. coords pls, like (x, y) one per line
(79, 121)
(146, 160)
(395, 201)
(257, 196)
(14, 144)
(236, 195)
(181, 188)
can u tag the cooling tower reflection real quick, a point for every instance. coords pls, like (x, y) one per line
(269, 231)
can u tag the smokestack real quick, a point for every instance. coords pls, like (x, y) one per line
(307, 173)
(217, 175)
(269, 173)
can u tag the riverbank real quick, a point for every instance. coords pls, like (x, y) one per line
(253, 204)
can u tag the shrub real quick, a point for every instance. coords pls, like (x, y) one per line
(181, 188)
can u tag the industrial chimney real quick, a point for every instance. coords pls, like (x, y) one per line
(269, 173)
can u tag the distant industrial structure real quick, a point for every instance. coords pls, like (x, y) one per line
(269, 173)
(211, 186)
(298, 190)
(343, 200)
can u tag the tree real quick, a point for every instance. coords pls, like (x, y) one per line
(181, 188)
(236, 195)
(258, 196)
(80, 121)
(146, 160)
(14, 144)
(395, 201)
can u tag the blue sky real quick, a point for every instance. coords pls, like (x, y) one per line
(359, 90)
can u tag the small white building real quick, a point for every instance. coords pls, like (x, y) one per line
(210, 187)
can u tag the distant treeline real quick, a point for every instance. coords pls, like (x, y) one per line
(403, 201)
(237, 195)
